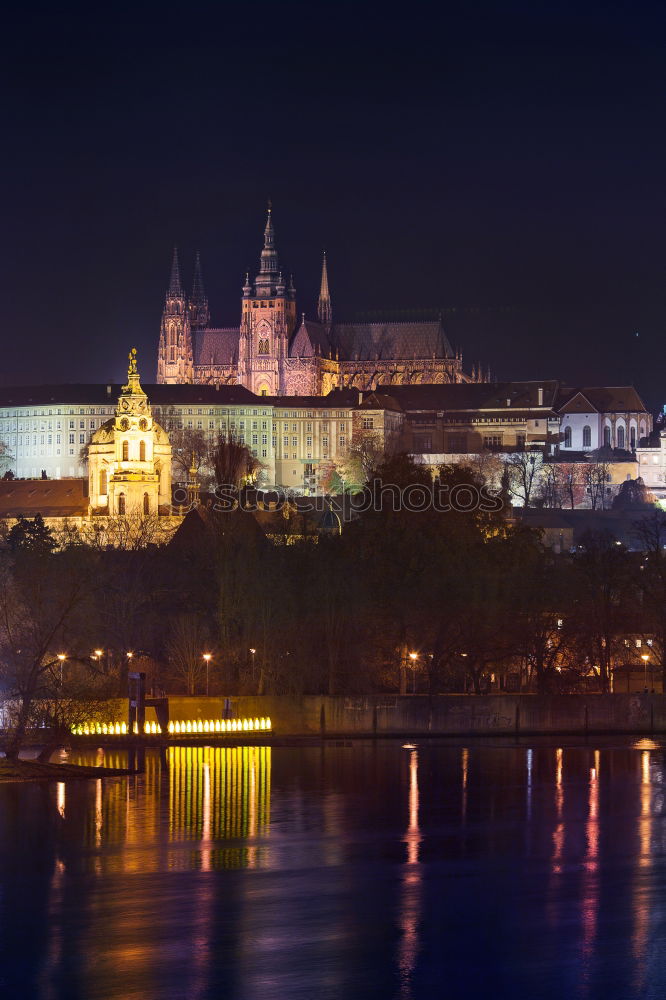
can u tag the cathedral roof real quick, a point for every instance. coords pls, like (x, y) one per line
(217, 346)
(310, 339)
(390, 341)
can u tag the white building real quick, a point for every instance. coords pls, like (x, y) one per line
(652, 467)
(602, 417)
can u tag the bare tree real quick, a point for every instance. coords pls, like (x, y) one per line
(186, 646)
(233, 462)
(42, 599)
(596, 476)
(525, 470)
(190, 447)
(6, 459)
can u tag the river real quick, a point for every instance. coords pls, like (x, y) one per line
(366, 871)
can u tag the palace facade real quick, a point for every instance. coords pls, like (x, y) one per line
(273, 352)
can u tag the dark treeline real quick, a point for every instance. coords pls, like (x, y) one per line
(432, 600)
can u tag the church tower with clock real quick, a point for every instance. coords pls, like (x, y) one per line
(268, 318)
(129, 457)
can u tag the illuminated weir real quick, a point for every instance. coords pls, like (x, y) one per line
(185, 727)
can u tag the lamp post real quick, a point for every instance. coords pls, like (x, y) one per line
(62, 657)
(252, 653)
(645, 657)
(413, 657)
(207, 658)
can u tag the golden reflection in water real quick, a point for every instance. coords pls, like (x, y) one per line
(213, 794)
(60, 798)
(558, 833)
(219, 793)
(465, 766)
(410, 905)
(641, 906)
(590, 888)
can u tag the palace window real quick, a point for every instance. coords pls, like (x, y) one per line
(125, 451)
(587, 437)
(142, 451)
(422, 443)
(368, 423)
(294, 442)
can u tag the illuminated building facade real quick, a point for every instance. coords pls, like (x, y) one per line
(296, 438)
(129, 457)
(273, 353)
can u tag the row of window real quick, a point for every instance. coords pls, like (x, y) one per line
(122, 504)
(607, 438)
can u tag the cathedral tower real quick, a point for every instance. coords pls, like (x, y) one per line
(324, 311)
(267, 322)
(175, 362)
(198, 305)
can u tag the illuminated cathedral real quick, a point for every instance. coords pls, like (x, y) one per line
(274, 353)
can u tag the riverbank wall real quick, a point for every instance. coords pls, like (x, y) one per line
(444, 715)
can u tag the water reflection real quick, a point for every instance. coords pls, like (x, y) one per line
(410, 903)
(366, 872)
(214, 795)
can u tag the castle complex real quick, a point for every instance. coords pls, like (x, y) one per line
(272, 353)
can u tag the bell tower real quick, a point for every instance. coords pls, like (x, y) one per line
(267, 321)
(175, 361)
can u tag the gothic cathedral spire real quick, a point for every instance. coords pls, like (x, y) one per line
(324, 310)
(268, 267)
(175, 361)
(175, 287)
(199, 313)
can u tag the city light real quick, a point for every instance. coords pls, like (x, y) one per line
(178, 728)
(207, 657)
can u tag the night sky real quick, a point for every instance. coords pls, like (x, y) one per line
(499, 156)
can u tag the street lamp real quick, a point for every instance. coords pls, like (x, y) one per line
(252, 652)
(207, 658)
(413, 657)
(62, 657)
(645, 657)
